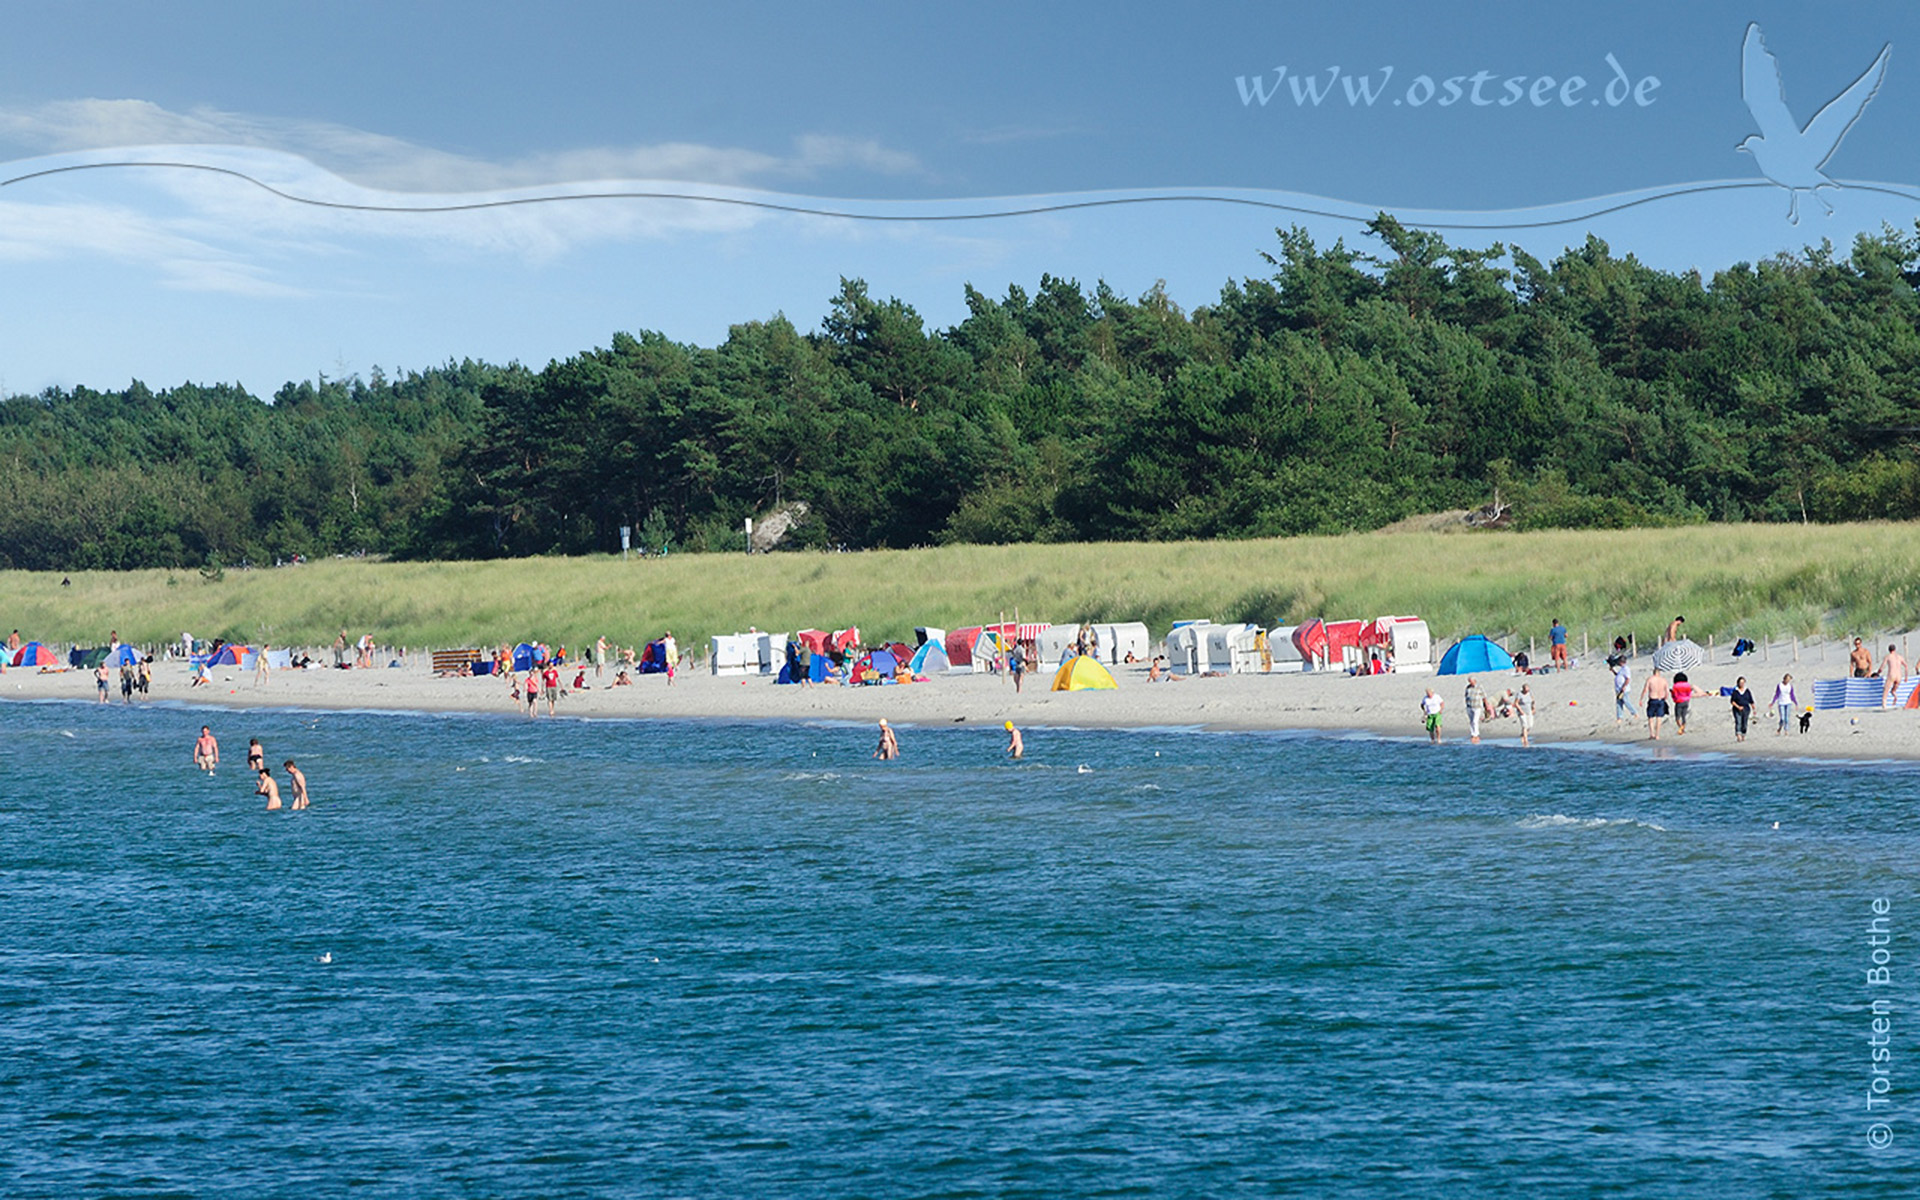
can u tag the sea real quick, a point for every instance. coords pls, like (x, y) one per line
(511, 958)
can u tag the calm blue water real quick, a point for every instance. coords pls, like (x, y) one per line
(666, 959)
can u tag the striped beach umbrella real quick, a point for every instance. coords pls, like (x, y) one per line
(1682, 654)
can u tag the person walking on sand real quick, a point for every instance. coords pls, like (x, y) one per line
(268, 788)
(100, 678)
(550, 684)
(126, 683)
(1430, 707)
(1018, 664)
(1476, 708)
(1557, 638)
(1742, 700)
(889, 747)
(1673, 630)
(1654, 692)
(206, 751)
(600, 657)
(1523, 705)
(1893, 670)
(1015, 747)
(533, 692)
(260, 664)
(1682, 692)
(299, 781)
(1785, 700)
(340, 649)
(1622, 692)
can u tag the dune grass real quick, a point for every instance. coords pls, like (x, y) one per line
(1728, 580)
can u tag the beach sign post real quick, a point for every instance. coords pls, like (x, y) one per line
(626, 540)
(749, 528)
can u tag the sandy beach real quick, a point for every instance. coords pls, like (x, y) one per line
(1574, 706)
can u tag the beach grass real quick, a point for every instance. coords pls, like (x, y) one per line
(1729, 581)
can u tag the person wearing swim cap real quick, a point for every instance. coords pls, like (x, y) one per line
(1015, 747)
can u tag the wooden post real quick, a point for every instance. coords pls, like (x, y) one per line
(1633, 645)
(1532, 654)
(1709, 649)
(1796, 647)
(1584, 649)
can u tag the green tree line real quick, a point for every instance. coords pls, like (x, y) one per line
(1343, 388)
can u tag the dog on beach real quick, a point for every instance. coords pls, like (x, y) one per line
(1806, 720)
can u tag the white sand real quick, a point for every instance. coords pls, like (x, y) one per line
(1573, 706)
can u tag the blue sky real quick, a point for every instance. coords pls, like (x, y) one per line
(167, 275)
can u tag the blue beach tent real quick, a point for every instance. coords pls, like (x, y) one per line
(523, 657)
(929, 659)
(817, 668)
(1474, 653)
(124, 656)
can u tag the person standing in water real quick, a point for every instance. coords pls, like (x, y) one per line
(299, 781)
(1015, 747)
(256, 757)
(889, 747)
(206, 751)
(1430, 711)
(269, 789)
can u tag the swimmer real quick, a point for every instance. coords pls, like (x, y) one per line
(299, 781)
(269, 789)
(256, 757)
(1015, 747)
(889, 747)
(206, 751)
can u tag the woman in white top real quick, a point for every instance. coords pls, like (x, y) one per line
(1785, 700)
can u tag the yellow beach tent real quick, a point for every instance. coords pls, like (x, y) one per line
(1079, 673)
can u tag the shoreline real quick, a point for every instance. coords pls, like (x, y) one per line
(1575, 707)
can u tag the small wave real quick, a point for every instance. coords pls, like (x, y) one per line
(809, 777)
(1562, 821)
(521, 758)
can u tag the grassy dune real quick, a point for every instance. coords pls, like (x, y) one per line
(1743, 580)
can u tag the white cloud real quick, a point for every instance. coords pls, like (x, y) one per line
(379, 161)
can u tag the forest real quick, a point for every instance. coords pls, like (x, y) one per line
(1341, 388)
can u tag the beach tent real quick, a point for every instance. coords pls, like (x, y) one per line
(815, 640)
(86, 659)
(1083, 673)
(992, 641)
(229, 655)
(1474, 653)
(923, 634)
(653, 658)
(881, 662)
(33, 654)
(123, 656)
(818, 668)
(523, 657)
(845, 639)
(960, 648)
(928, 659)
(1681, 654)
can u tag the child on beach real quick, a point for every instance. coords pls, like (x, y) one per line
(1682, 692)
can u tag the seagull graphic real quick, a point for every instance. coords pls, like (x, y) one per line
(1786, 153)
